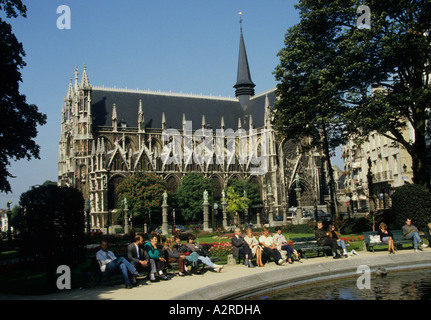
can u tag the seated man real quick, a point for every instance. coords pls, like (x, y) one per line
(411, 232)
(194, 247)
(157, 256)
(268, 245)
(139, 258)
(323, 239)
(191, 257)
(239, 246)
(109, 262)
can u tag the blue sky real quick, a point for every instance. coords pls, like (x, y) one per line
(187, 46)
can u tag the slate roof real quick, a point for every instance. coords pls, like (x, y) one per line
(153, 104)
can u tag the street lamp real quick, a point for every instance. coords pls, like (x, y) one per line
(9, 220)
(87, 211)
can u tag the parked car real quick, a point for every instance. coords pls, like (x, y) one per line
(177, 227)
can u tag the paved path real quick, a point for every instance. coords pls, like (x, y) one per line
(238, 278)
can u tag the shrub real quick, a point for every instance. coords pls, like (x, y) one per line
(411, 201)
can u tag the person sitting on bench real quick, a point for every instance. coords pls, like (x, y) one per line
(323, 239)
(239, 246)
(109, 262)
(139, 257)
(268, 245)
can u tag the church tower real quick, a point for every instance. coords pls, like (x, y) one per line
(244, 85)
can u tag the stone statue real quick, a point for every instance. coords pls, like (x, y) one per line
(269, 188)
(165, 198)
(298, 185)
(205, 196)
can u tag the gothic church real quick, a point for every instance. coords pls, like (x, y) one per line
(108, 134)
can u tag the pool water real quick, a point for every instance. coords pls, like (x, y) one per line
(396, 285)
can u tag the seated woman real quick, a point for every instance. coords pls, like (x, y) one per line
(194, 247)
(267, 242)
(386, 236)
(335, 235)
(191, 257)
(255, 247)
(282, 244)
(174, 256)
(154, 253)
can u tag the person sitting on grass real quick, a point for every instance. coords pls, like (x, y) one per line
(202, 255)
(268, 245)
(323, 239)
(109, 262)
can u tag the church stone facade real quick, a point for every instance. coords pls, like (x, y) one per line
(108, 134)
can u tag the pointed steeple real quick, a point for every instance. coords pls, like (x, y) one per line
(85, 84)
(141, 119)
(114, 117)
(244, 85)
(69, 91)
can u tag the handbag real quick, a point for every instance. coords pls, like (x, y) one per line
(375, 239)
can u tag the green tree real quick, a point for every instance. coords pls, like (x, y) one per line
(19, 120)
(143, 191)
(414, 202)
(308, 109)
(251, 191)
(393, 55)
(189, 195)
(52, 226)
(236, 202)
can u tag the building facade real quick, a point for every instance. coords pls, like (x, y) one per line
(390, 168)
(108, 134)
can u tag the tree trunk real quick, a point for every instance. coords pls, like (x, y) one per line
(332, 190)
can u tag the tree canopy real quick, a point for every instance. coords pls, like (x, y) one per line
(143, 191)
(330, 70)
(19, 120)
(189, 195)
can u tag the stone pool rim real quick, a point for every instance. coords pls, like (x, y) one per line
(304, 274)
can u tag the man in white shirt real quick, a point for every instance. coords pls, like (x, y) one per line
(109, 262)
(267, 242)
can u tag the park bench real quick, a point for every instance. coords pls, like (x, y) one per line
(308, 244)
(96, 277)
(370, 238)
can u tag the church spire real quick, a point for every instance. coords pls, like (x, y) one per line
(244, 85)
